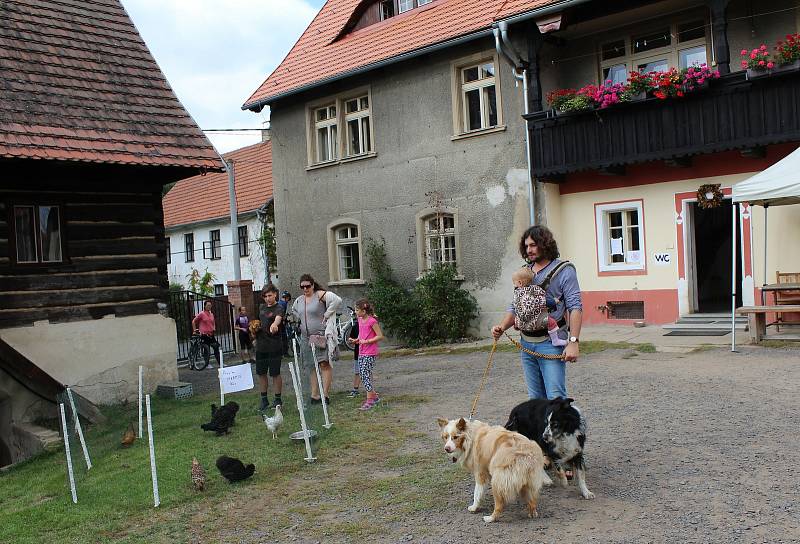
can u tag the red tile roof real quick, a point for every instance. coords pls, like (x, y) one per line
(316, 57)
(79, 84)
(202, 198)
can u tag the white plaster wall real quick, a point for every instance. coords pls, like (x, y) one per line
(100, 358)
(252, 266)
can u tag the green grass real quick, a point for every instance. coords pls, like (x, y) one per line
(115, 496)
(780, 344)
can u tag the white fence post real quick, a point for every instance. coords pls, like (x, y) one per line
(69, 457)
(79, 429)
(141, 371)
(156, 498)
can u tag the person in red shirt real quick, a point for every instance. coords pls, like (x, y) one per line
(205, 324)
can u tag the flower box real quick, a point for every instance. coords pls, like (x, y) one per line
(789, 67)
(752, 73)
(638, 97)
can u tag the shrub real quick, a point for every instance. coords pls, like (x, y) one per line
(436, 309)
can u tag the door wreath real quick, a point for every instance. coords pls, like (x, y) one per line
(709, 196)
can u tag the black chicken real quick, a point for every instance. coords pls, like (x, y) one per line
(234, 470)
(221, 418)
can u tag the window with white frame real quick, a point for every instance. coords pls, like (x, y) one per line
(326, 134)
(478, 97)
(679, 44)
(357, 121)
(244, 242)
(37, 234)
(348, 258)
(219, 289)
(620, 236)
(440, 240)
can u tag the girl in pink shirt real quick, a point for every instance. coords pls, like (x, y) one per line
(369, 334)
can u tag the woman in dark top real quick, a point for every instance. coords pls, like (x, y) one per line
(269, 346)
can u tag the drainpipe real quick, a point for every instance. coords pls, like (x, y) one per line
(501, 33)
(237, 269)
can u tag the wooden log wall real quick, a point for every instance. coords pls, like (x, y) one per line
(113, 250)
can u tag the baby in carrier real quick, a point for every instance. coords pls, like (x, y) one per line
(531, 307)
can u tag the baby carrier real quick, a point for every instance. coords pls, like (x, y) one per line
(531, 303)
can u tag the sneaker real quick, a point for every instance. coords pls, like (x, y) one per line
(278, 402)
(264, 404)
(316, 401)
(328, 401)
(369, 404)
(353, 393)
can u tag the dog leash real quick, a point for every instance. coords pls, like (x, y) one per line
(483, 380)
(489, 366)
(534, 353)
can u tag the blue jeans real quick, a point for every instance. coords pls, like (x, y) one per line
(545, 378)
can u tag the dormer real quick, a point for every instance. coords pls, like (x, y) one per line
(370, 12)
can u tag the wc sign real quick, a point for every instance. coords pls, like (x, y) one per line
(662, 259)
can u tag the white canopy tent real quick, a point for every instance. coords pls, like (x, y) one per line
(778, 185)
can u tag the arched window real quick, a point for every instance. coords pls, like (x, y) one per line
(345, 252)
(437, 233)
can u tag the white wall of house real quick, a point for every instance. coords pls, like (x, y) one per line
(252, 266)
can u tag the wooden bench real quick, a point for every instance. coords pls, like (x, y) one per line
(757, 318)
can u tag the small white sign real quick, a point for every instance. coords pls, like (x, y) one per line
(634, 257)
(236, 378)
(616, 246)
(662, 259)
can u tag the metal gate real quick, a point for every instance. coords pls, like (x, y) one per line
(185, 305)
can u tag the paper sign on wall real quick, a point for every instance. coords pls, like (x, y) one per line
(634, 257)
(616, 246)
(662, 259)
(236, 378)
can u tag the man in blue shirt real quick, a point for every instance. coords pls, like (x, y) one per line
(546, 378)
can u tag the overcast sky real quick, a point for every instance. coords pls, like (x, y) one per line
(215, 53)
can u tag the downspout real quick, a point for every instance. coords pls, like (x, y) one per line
(501, 33)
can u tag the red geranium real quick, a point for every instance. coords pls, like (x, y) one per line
(788, 51)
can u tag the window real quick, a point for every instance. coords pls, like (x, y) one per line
(387, 9)
(344, 250)
(216, 245)
(479, 97)
(244, 242)
(188, 247)
(219, 289)
(680, 44)
(326, 142)
(359, 139)
(167, 245)
(476, 98)
(440, 240)
(620, 236)
(37, 234)
(341, 129)
(406, 5)
(347, 257)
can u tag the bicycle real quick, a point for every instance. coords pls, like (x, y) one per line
(199, 353)
(343, 329)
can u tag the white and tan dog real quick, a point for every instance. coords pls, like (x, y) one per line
(513, 464)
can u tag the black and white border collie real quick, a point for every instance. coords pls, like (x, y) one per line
(560, 430)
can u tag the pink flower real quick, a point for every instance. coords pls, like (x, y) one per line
(762, 63)
(770, 65)
(763, 47)
(754, 55)
(744, 52)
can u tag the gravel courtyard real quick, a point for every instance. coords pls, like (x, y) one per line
(698, 447)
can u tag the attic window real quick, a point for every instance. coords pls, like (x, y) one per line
(369, 12)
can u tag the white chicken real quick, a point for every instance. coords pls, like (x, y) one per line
(274, 423)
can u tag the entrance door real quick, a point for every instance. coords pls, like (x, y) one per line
(711, 234)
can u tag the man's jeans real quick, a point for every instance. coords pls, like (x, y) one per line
(545, 378)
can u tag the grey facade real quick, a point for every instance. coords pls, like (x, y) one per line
(419, 164)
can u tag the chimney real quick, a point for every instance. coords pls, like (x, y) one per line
(265, 134)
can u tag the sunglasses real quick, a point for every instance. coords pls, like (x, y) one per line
(307, 286)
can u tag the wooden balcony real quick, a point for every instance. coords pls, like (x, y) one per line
(734, 113)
